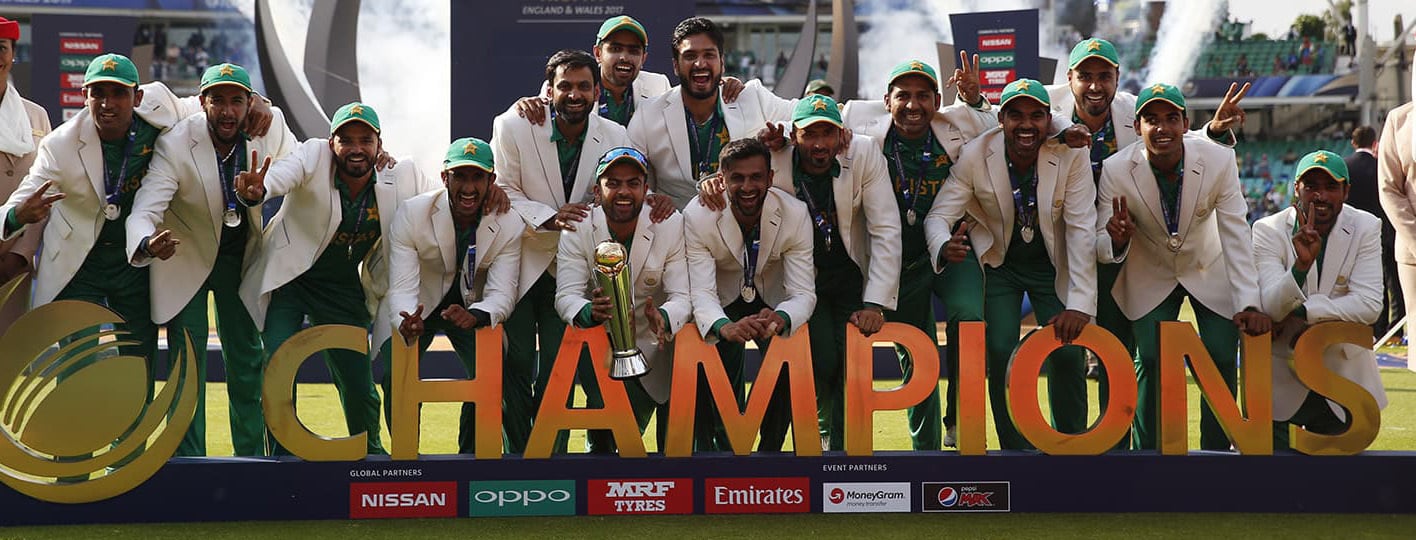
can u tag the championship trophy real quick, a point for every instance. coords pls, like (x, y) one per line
(612, 275)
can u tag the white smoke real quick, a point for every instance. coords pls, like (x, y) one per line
(910, 30)
(1185, 29)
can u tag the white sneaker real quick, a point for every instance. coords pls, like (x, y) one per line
(951, 437)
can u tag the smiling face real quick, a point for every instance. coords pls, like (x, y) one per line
(1162, 126)
(621, 192)
(572, 92)
(111, 105)
(817, 145)
(620, 55)
(1093, 85)
(912, 102)
(226, 107)
(1024, 123)
(699, 66)
(466, 189)
(1317, 189)
(355, 145)
(747, 182)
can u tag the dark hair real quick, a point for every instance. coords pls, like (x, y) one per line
(694, 26)
(571, 59)
(743, 149)
(1363, 137)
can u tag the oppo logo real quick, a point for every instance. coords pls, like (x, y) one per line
(525, 497)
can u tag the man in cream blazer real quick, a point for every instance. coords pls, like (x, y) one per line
(661, 127)
(453, 270)
(1027, 189)
(322, 256)
(23, 124)
(661, 284)
(1184, 235)
(621, 47)
(752, 278)
(188, 197)
(855, 239)
(1396, 176)
(1319, 261)
(548, 172)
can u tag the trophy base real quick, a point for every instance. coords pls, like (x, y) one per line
(628, 364)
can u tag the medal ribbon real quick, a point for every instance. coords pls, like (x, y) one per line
(469, 266)
(359, 213)
(700, 148)
(909, 188)
(1171, 211)
(818, 215)
(113, 181)
(226, 170)
(1024, 194)
(750, 246)
(1100, 149)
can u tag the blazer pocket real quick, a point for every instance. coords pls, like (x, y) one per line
(61, 223)
(279, 237)
(652, 278)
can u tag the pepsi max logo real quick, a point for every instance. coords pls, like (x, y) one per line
(965, 496)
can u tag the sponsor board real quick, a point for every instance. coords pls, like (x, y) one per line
(756, 495)
(93, 46)
(965, 496)
(68, 114)
(521, 498)
(71, 99)
(997, 77)
(865, 497)
(402, 499)
(80, 64)
(993, 93)
(71, 80)
(996, 60)
(639, 496)
(996, 42)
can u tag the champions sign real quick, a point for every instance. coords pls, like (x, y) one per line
(77, 411)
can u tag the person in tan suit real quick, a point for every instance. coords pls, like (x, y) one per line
(23, 124)
(1396, 174)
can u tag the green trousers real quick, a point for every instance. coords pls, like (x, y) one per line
(241, 354)
(1065, 367)
(352, 374)
(916, 308)
(834, 306)
(601, 441)
(1110, 318)
(526, 368)
(960, 288)
(709, 433)
(1221, 339)
(1313, 415)
(464, 343)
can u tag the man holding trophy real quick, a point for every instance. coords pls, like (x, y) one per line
(642, 309)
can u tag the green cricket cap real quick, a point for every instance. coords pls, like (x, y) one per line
(816, 108)
(1093, 48)
(1160, 92)
(817, 85)
(112, 68)
(469, 151)
(621, 154)
(1025, 88)
(914, 67)
(231, 74)
(1325, 160)
(354, 111)
(622, 22)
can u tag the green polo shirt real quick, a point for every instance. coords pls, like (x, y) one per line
(615, 110)
(835, 270)
(905, 158)
(334, 278)
(568, 154)
(113, 231)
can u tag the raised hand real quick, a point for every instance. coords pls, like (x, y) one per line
(774, 135)
(711, 192)
(250, 185)
(731, 86)
(656, 322)
(568, 215)
(1077, 136)
(495, 201)
(660, 207)
(36, 208)
(385, 161)
(258, 118)
(958, 246)
(412, 326)
(1229, 115)
(966, 78)
(1306, 241)
(1122, 226)
(533, 109)
(162, 245)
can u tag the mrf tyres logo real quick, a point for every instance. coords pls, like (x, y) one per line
(865, 497)
(402, 499)
(640, 496)
(521, 498)
(756, 495)
(965, 496)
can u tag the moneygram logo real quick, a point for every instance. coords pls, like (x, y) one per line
(965, 496)
(866, 497)
(756, 495)
(640, 496)
(402, 499)
(521, 498)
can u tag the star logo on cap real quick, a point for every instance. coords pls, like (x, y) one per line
(1094, 46)
(109, 64)
(226, 70)
(357, 110)
(1158, 89)
(818, 105)
(1320, 158)
(1023, 85)
(917, 65)
(470, 149)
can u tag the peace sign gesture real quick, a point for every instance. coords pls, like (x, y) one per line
(1230, 114)
(36, 207)
(1306, 241)
(966, 77)
(1121, 226)
(250, 185)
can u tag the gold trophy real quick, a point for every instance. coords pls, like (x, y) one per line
(612, 275)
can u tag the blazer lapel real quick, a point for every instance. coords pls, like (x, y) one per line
(1149, 192)
(1002, 186)
(550, 159)
(841, 189)
(91, 154)
(1123, 122)
(731, 233)
(590, 151)
(1336, 251)
(678, 132)
(1047, 190)
(445, 232)
(1190, 193)
(735, 118)
(209, 175)
(770, 225)
(643, 243)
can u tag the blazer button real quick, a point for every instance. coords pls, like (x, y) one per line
(1057, 203)
(651, 282)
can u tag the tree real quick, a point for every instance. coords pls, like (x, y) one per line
(1310, 26)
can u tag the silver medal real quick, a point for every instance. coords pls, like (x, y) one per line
(231, 218)
(911, 217)
(111, 212)
(1027, 233)
(749, 294)
(1174, 242)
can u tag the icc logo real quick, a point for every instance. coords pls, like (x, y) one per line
(77, 422)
